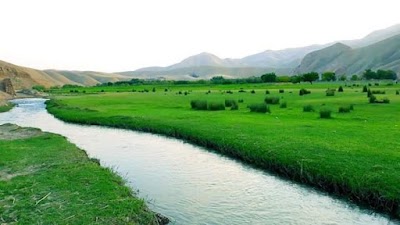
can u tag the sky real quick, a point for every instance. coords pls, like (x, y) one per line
(124, 35)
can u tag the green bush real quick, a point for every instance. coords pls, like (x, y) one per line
(240, 101)
(283, 105)
(267, 92)
(215, 106)
(378, 92)
(198, 104)
(325, 113)
(369, 93)
(281, 91)
(229, 102)
(397, 92)
(340, 89)
(308, 108)
(259, 108)
(365, 89)
(330, 92)
(253, 91)
(304, 92)
(344, 109)
(271, 100)
(372, 98)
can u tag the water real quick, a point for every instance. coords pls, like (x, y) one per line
(191, 185)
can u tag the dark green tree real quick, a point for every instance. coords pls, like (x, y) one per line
(354, 77)
(269, 77)
(328, 76)
(310, 77)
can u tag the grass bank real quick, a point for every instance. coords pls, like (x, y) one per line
(353, 154)
(44, 179)
(6, 107)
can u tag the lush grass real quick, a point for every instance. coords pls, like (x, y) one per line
(47, 180)
(354, 154)
(6, 107)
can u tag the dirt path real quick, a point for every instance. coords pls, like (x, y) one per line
(12, 132)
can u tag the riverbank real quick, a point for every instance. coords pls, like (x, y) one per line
(45, 179)
(337, 155)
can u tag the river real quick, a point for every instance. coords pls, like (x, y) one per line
(191, 185)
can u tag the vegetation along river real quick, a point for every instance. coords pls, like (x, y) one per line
(191, 185)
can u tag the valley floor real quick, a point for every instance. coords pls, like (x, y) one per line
(353, 154)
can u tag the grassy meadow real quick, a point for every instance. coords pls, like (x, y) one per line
(354, 153)
(44, 179)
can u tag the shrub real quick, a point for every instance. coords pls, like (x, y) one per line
(351, 106)
(369, 84)
(165, 90)
(154, 89)
(304, 92)
(308, 108)
(229, 92)
(385, 100)
(253, 91)
(271, 100)
(365, 89)
(283, 105)
(369, 93)
(378, 92)
(240, 101)
(267, 92)
(376, 84)
(281, 91)
(325, 113)
(330, 92)
(340, 89)
(260, 108)
(198, 104)
(215, 106)
(372, 98)
(397, 92)
(241, 90)
(229, 102)
(344, 109)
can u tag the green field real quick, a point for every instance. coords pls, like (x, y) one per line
(44, 179)
(353, 154)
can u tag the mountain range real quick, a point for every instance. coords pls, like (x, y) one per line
(378, 50)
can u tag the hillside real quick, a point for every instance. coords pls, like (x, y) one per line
(23, 77)
(344, 60)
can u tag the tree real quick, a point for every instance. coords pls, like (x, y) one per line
(343, 78)
(328, 76)
(283, 79)
(296, 79)
(310, 77)
(369, 74)
(386, 74)
(269, 77)
(354, 77)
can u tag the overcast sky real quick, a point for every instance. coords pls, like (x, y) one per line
(121, 35)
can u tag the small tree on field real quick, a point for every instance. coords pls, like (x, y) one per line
(310, 77)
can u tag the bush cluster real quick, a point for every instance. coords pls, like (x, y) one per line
(198, 104)
(281, 91)
(259, 108)
(304, 91)
(308, 108)
(330, 92)
(346, 109)
(271, 100)
(266, 92)
(215, 106)
(340, 89)
(378, 92)
(325, 113)
(365, 89)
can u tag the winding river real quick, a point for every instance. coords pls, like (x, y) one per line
(191, 185)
